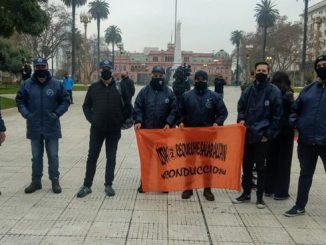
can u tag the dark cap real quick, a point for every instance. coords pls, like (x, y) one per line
(320, 58)
(40, 61)
(106, 64)
(158, 69)
(202, 74)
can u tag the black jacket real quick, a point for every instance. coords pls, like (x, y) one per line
(155, 108)
(200, 109)
(2, 124)
(103, 106)
(260, 106)
(309, 115)
(129, 84)
(219, 85)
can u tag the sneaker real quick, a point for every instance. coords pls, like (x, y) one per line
(84, 191)
(260, 204)
(187, 194)
(281, 198)
(140, 189)
(294, 211)
(34, 186)
(56, 188)
(208, 194)
(243, 198)
(109, 191)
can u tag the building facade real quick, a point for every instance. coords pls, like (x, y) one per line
(139, 65)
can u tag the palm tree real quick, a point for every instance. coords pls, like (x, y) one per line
(113, 36)
(99, 9)
(236, 38)
(73, 4)
(266, 16)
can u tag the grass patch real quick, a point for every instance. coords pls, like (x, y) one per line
(80, 87)
(8, 89)
(7, 103)
(297, 89)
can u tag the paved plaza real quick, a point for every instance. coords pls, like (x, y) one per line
(132, 218)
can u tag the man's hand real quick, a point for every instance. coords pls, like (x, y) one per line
(215, 125)
(181, 125)
(2, 137)
(137, 126)
(242, 122)
(167, 126)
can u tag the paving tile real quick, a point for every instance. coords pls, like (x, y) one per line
(112, 216)
(184, 205)
(307, 236)
(223, 219)
(112, 204)
(60, 240)
(13, 212)
(185, 218)
(31, 227)
(183, 242)
(149, 216)
(78, 214)
(6, 225)
(70, 228)
(229, 234)
(260, 220)
(269, 235)
(106, 230)
(104, 241)
(188, 232)
(302, 222)
(147, 242)
(40, 213)
(150, 205)
(21, 240)
(148, 231)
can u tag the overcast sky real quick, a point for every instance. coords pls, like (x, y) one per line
(206, 24)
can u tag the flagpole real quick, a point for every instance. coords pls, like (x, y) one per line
(175, 21)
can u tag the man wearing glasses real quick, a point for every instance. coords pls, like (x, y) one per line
(309, 118)
(155, 105)
(42, 100)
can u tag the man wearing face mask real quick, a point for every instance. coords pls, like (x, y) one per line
(155, 105)
(259, 110)
(128, 83)
(42, 100)
(201, 107)
(309, 117)
(106, 109)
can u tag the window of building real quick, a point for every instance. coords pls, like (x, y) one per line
(168, 59)
(186, 59)
(155, 59)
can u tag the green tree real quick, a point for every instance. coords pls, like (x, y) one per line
(11, 57)
(266, 15)
(99, 9)
(22, 16)
(73, 4)
(113, 36)
(236, 39)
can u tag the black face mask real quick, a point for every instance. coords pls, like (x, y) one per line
(157, 83)
(261, 77)
(123, 77)
(200, 86)
(321, 72)
(106, 74)
(42, 73)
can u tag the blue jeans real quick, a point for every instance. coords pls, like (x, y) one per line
(52, 148)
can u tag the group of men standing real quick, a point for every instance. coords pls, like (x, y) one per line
(42, 100)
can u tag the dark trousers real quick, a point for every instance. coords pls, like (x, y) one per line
(70, 95)
(308, 155)
(254, 153)
(95, 144)
(278, 165)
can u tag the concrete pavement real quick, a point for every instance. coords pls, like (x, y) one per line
(130, 217)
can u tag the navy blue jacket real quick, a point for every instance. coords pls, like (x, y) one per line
(309, 115)
(155, 108)
(202, 109)
(260, 106)
(42, 105)
(2, 124)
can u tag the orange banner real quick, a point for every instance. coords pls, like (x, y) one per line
(188, 158)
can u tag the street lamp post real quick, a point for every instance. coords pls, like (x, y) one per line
(85, 19)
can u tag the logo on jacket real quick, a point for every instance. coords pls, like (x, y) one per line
(167, 101)
(49, 92)
(267, 103)
(209, 103)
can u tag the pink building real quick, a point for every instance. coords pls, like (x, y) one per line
(139, 65)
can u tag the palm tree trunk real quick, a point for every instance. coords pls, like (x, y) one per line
(98, 40)
(73, 46)
(304, 45)
(113, 54)
(237, 75)
(264, 44)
